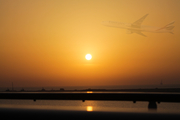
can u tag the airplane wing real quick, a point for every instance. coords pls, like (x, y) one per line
(139, 33)
(130, 31)
(138, 23)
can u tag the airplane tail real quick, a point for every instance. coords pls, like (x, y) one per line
(169, 27)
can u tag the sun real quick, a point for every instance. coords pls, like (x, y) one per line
(88, 56)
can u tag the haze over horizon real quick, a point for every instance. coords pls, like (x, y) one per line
(44, 43)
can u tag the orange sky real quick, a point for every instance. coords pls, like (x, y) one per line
(44, 43)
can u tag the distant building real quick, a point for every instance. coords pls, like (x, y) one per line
(8, 89)
(22, 89)
(43, 89)
(61, 89)
(161, 82)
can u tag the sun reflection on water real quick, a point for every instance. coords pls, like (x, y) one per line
(89, 91)
(89, 108)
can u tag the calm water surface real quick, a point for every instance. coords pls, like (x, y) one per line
(120, 106)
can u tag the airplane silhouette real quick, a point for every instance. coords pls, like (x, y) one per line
(136, 27)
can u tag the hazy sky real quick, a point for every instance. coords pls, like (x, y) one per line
(44, 43)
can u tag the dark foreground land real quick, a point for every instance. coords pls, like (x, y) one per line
(41, 114)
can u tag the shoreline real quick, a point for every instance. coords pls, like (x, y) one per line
(102, 90)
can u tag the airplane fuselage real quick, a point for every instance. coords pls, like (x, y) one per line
(142, 28)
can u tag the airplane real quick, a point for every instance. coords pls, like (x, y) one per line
(136, 27)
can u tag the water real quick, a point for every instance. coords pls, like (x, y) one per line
(111, 106)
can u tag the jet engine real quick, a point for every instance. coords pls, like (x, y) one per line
(129, 32)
